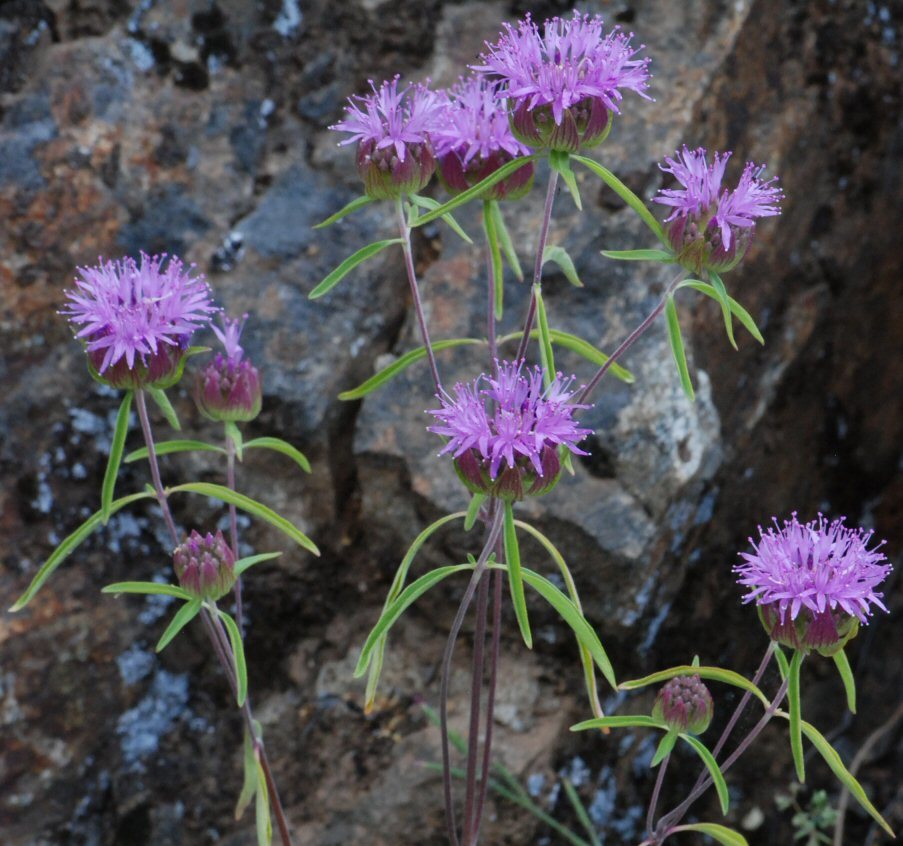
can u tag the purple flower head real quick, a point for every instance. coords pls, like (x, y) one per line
(813, 582)
(712, 226)
(572, 71)
(135, 319)
(205, 565)
(504, 431)
(393, 131)
(475, 139)
(229, 387)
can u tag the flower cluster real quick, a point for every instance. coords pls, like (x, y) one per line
(565, 82)
(710, 225)
(229, 388)
(504, 430)
(813, 582)
(136, 319)
(205, 565)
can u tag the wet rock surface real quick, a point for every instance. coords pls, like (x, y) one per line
(199, 128)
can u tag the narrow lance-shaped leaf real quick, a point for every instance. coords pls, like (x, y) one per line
(708, 673)
(665, 745)
(714, 770)
(515, 575)
(626, 195)
(725, 302)
(246, 563)
(477, 190)
(252, 507)
(402, 363)
(724, 835)
(115, 459)
(62, 552)
(264, 824)
(332, 279)
(677, 348)
(169, 447)
(795, 706)
(353, 206)
(249, 785)
(233, 433)
(281, 446)
(181, 619)
(661, 256)
(238, 658)
(622, 721)
(560, 162)
(429, 203)
(736, 309)
(561, 257)
(147, 588)
(846, 675)
(547, 356)
(495, 259)
(473, 510)
(158, 395)
(580, 811)
(505, 240)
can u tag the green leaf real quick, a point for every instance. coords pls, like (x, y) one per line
(69, 544)
(736, 309)
(353, 206)
(158, 395)
(181, 619)
(665, 745)
(233, 433)
(515, 575)
(725, 302)
(662, 256)
(579, 346)
(846, 675)
(505, 240)
(723, 834)
(626, 195)
(580, 811)
(395, 609)
(264, 824)
(281, 446)
(400, 364)
(834, 761)
(147, 588)
(238, 658)
(115, 459)
(547, 357)
(624, 721)
(561, 163)
(793, 700)
(249, 785)
(495, 258)
(571, 615)
(780, 657)
(473, 510)
(332, 279)
(246, 563)
(251, 506)
(429, 203)
(677, 348)
(476, 190)
(167, 447)
(714, 770)
(711, 673)
(560, 256)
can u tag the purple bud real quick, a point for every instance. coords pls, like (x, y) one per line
(229, 389)
(685, 705)
(205, 565)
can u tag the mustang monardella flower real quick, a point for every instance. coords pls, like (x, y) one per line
(504, 431)
(685, 704)
(393, 131)
(564, 83)
(205, 565)
(711, 226)
(474, 140)
(228, 388)
(814, 582)
(136, 320)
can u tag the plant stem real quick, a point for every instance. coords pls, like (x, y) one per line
(631, 339)
(233, 529)
(141, 405)
(537, 265)
(656, 792)
(493, 534)
(674, 817)
(405, 231)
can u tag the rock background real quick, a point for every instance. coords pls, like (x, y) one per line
(199, 127)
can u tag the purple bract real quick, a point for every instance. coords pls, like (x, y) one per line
(130, 313)
(817, 566)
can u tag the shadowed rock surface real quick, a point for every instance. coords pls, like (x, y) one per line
(198, 127)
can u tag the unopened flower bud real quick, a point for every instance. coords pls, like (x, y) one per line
(205, 565)
(228, 388)
(685, 705)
